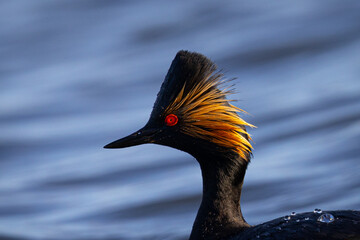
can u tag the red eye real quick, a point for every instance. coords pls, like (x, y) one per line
(171, 120)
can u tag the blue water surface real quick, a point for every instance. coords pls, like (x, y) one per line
(76, 75)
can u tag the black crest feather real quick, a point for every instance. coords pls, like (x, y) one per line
(187, 67)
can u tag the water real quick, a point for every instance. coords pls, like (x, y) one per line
(75, 76)
(317, 210)
(326, 218)
(287, 218)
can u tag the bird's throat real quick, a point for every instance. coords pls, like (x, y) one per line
(219, 215)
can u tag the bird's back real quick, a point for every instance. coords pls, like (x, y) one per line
(328, 225)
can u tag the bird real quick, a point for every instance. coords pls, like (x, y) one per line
(192, 113)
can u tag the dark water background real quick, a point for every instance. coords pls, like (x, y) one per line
(75, 75)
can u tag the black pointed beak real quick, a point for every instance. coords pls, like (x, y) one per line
(142, 136)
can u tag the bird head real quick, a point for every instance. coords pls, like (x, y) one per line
(192, 114)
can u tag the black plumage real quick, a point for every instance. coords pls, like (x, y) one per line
(346, 225)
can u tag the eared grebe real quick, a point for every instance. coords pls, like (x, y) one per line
(192, 114)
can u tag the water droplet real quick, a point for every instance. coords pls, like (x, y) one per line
(293, 213)
(287, 218)
(317, 210)
(307, 219)
(257, 236)
(139, 132)
(278, 228)
(298, 220)
(326, 218)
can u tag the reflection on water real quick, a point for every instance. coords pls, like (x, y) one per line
(77, 75)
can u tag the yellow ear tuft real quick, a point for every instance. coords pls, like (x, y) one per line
(205, 113)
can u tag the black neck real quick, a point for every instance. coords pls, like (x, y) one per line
(220, 214)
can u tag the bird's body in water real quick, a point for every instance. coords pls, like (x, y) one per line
(192, 114)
